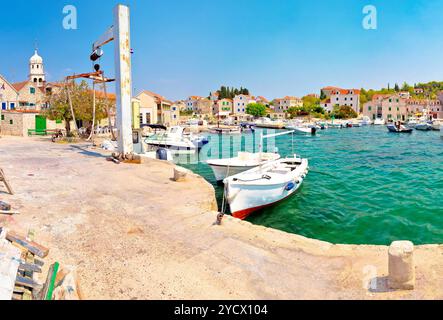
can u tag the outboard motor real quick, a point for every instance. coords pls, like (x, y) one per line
(313, 131)
(162, 154)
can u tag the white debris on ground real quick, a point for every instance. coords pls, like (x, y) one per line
(9, 262)
(109, 145)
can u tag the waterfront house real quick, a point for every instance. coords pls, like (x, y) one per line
(223, 108)
(191, 103)
(334, 96)
(241, 102)
(156, 109)
(282, 105)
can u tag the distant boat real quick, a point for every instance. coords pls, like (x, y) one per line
(379, 122)
(398, 128)
(223, 168)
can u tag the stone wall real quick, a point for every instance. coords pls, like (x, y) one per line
(16, 123)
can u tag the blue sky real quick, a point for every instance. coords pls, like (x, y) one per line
(274, 48)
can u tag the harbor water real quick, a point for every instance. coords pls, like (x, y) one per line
(365, 185)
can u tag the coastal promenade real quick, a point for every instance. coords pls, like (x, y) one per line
(133, 233)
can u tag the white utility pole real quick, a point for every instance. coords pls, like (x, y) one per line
(123, 77)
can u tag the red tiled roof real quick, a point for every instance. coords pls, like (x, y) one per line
(19, 85)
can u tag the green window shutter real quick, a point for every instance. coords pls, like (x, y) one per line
(3, 117)
(11, 122)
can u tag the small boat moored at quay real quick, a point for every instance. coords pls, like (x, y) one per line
(266, 185)
(223, 168)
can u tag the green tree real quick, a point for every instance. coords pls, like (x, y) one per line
(344, 112)
(82, 102)
(256, 109)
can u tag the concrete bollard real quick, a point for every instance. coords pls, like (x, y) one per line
(401, 266)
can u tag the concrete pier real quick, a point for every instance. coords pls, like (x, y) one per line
(134, 233)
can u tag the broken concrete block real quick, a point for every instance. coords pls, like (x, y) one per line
(180, 174)
(401, 266)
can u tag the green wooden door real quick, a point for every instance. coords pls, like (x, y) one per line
(40, 124)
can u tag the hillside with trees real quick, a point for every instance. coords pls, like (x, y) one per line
(230, 92)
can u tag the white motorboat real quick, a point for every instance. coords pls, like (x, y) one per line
(303, 130)
(244, 161)
(436, 125)
(379, 122)
(366, 121)
(225, 130)
(265, 185)
(412, 122)
(398, 128)
(269, 124)
(423, 126)
(174, 140)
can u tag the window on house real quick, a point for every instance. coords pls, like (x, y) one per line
(12, 105)
(31, 89)
(3, 117)
(369, 108)
(11, 122)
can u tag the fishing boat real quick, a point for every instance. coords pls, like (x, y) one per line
(173, 139)
(266, 185)
(398, 128)
(223, 168)
(379, 122)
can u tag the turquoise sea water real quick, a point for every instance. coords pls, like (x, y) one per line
(365, 185)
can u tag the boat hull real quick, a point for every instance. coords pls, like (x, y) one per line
(423, 127)
(394, 129)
